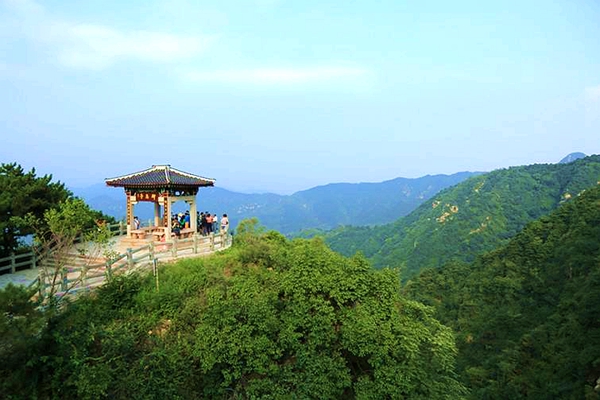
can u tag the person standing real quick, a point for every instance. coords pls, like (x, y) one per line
(215, 223)
(209, 223)
(203, 223)
(224, 223)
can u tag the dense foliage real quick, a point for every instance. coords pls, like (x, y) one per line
(25, 197)
(269, 318)
(528, 314)
(470, 218)
(21, 194)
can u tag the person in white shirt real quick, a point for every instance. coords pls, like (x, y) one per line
(224, 223)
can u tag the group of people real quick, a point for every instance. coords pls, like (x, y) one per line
(207, 223)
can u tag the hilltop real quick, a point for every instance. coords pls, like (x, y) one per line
(572, 157)
(472, 217)
(269, 318)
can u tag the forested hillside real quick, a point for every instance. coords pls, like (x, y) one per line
(527, 316)
(322, 207)
(474, 216)
(269, 318)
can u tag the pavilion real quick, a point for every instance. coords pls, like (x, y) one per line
(162, 185)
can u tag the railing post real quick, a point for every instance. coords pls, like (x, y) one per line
(13, 268)
(151, 251)
(195, 237)
(174, 248)
(120, 228)
(212, 241)
(223, 240)
(42, 283)
(129, 258)
(83, 276)
(108, 270)
(33, 260)
(63, 279)
(41, 287)
(155, 269)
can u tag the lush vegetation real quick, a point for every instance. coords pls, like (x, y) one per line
(24, 197)
(527, 315)
(278, 318)
(270, 318)
(23, 193)
(470, 218)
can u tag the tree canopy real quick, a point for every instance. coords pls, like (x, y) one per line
(29, 204)
(527, 314)
(269, 318)
(23, 193)
(475, 216)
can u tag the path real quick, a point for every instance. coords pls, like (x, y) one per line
(120, 246)
(25, 277)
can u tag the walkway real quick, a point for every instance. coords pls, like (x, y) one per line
(25, 277)
(164, 252)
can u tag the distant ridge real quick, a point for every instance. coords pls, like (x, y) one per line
(322, 207)
(477, 215)
(572, 157)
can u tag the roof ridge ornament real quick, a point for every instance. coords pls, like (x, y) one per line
(167, 176)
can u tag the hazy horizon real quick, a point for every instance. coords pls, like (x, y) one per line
(258, 191)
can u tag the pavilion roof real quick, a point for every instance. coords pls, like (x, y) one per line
(160, 176)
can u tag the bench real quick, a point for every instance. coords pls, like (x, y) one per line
(138, 234)
(158, 235)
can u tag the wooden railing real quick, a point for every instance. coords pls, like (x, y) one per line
(17, 262)
(118, 229)
(13, 262)
(69, 278)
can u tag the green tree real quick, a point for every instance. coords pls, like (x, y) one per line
(526, 314)
(70, 230)
(21, 324)
(475, 216)
(23, 193)
(269, 318)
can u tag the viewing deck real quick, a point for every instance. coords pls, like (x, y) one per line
(127, 254)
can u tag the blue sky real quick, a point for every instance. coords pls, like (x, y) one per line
(281, 96)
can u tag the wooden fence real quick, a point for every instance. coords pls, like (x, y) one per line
(71, 276)
(17, 262)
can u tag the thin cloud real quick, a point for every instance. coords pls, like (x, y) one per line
(93, 46)
(592, 94)
(274, 76)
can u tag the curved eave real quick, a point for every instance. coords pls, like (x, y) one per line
(158, 185)
(160, 176)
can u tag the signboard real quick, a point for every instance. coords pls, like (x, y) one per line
(146, 196)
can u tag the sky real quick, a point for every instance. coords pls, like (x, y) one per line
(281, 96)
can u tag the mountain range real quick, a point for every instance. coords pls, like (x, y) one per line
(477, 215)
(322, 207)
